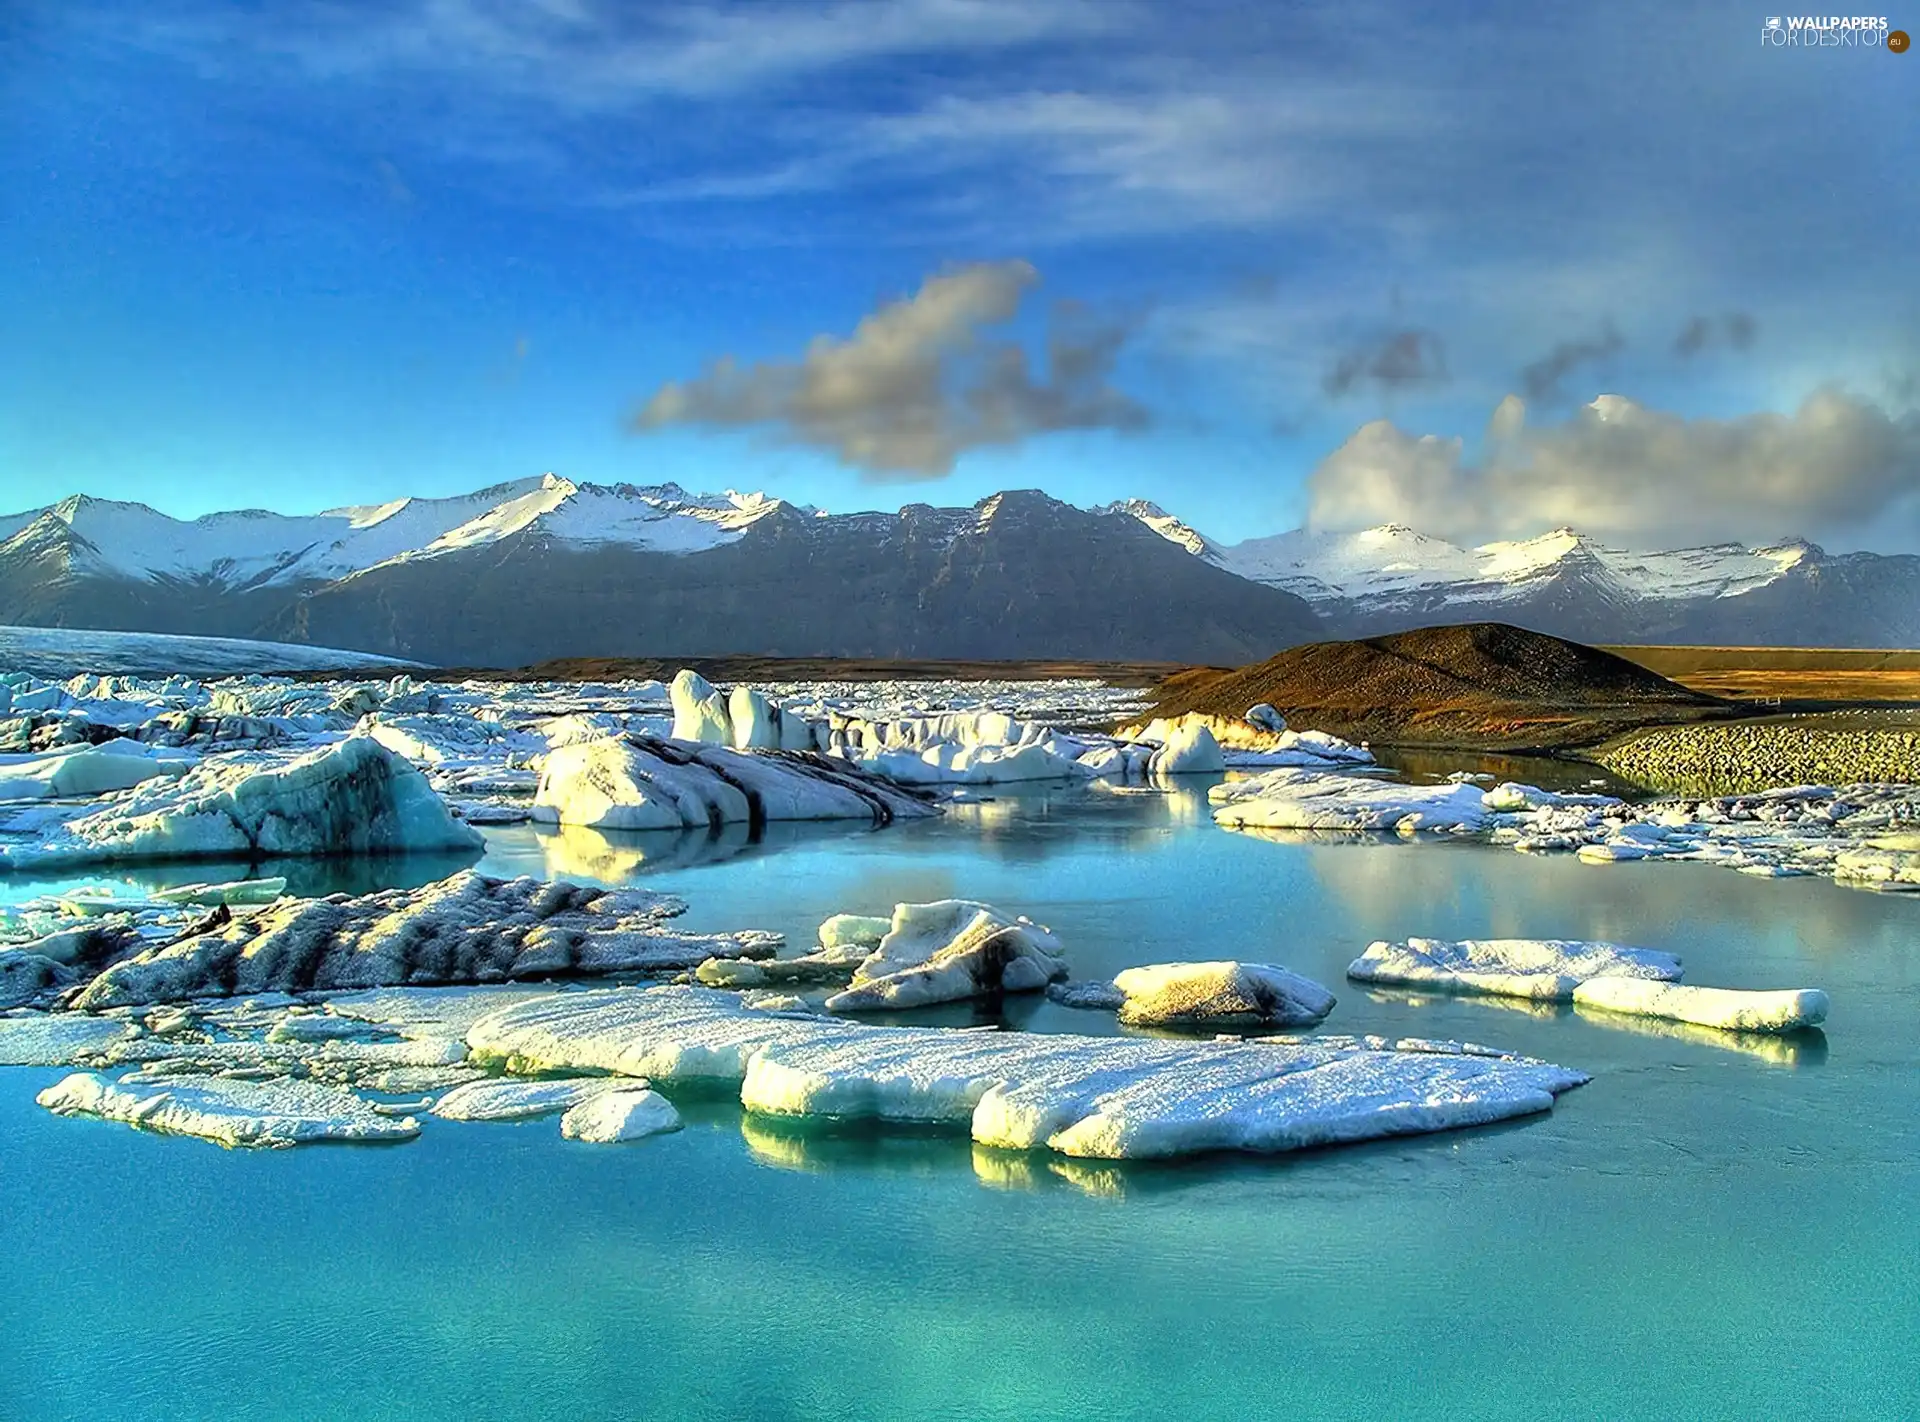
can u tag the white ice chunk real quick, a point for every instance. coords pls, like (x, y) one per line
(755, 721)
(356, 797)
(1224, 993)
(636, 783)
(699, 712)
(57, 1038)
(231, 1113)
(950, 951)
(518, 1100)
(1263, 717)
(1095, 1096)
(87, 770)
(1542, 969)
(1727, 1008)
(853, 930)
(1189, 750)
(467, 928)
(1305, 799)
(615, 1116)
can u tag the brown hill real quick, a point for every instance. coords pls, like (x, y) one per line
(1480, 684)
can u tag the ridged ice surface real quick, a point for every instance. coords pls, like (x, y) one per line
(1103, 1097)
(231, 1113)
(1542, 969)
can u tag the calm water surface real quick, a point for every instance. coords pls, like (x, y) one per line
(1714, 1228)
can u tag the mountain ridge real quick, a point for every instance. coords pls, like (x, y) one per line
(253, 572)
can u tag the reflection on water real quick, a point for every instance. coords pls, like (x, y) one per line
(1804, 1048)
(1546, 771)
(1729, 1230)
(306, 878)
(1526, 1007)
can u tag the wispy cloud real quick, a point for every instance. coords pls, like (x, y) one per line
(1541, 378)
(1618, 468)
(917, 385)
(1400, 360)
(1735, 331)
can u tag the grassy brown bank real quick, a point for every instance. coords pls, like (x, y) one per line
(1791, 676)
(1482, 685)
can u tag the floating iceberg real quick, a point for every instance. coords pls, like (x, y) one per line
(1101, 1097)
(356, 797)
(1726, 1008)
(638, 783)
(950, 951)
(1220, 994)
(87, 770)
(699, 712)
(1539, 969)
(517, 1100)
(232, 1113)
(623, 1115)
(1189, 750)
(1305, 799)
(57, 1038)
(469, 928)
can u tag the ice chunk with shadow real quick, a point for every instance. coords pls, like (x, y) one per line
(498, 1100)
(1315, 800)
(1732, 1009)
(353, 798)
(1102, 1097)
(1543, 969)
(620, 1115)
(951, 951)
(229, 1112)
(469, 928)
(1225, 994)
(638, 783)
(1086, 997)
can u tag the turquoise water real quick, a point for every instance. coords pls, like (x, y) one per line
(1712, 1228)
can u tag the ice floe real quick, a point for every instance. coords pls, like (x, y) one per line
(232, 1113)
(950, 951)
(1727, 1008)
(1189, 750)
(57, 1038)
(87, 770)
(1100, 1097)
(1303, 799)
(355, 797)
(1220, 994)
(468, 928)
(1539, 969)
(620, 1115)
(639, 783)
(509, 1100)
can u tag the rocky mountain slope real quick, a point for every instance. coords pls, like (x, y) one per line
(545, 569)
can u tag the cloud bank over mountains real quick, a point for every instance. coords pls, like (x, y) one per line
(1616, 468)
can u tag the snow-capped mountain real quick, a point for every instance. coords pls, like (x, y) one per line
(545, 568)
(1390, 578)
(252, 548)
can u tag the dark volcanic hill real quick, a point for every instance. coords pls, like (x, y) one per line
(1019, 575)
(1482, 683)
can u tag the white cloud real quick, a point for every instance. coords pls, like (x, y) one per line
(1616, 468)
(915, 386)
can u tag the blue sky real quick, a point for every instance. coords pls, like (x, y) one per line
(297, 254)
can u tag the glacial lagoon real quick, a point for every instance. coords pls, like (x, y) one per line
(1716, 1226)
